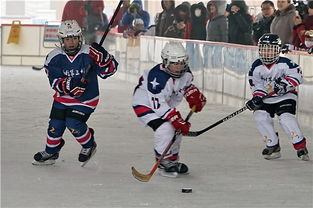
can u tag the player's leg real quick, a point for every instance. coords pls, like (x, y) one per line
(76, 123)
(265, 125)
(169, 165)
(286, 111)
(54, 141)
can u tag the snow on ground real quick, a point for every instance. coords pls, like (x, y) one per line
(226, 167)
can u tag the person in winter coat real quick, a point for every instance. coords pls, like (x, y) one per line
(181, 27)
(283, 22)
(301, 27)
(264, 24)
(118, 18)
(74, 10)
(135, 11)
(217, 26)
(198, 21)
(239, 24)
(165, 18)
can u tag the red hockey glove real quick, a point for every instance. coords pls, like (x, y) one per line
(178, 122)
(195, 97)
(72, 86)
(98, 53)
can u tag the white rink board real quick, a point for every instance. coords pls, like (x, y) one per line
(227, 169)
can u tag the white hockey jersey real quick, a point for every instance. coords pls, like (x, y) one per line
(157, 93)
(262, 79)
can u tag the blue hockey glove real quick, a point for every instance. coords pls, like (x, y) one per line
(255, 103)
(282, 86)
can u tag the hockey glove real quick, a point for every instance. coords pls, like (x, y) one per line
(98, 54)
(72, 86)
(255, 103)
(282, 86)
(195, 97)
(285, 49)
(178, 122)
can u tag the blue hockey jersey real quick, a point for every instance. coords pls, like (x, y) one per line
(59, 65)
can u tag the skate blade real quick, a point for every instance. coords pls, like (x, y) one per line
(92, 154)
(274, 155)
(305, 157)
(168, 174)
(44, 163)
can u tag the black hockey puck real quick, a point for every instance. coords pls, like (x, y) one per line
(186, 190)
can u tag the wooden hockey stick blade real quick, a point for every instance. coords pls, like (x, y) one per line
(139, 176)
(145, 178)
(37, 68)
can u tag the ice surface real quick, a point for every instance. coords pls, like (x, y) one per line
(226, 167)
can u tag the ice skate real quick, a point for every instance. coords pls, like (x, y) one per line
(273, 152)
(171, 169)
(303, 154)
(44, 158)
(87, 153)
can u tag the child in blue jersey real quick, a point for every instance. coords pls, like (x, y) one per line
(73, 70)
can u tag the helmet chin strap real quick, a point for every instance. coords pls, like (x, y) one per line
(175, 75)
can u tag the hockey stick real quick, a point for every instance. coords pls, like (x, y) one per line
(37, 68)
(197, 133)
(106, 32)
(101, 41)
(146, 177)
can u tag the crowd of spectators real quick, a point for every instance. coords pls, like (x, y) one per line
(216, 21)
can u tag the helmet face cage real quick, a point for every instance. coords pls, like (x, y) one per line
(269, 48)
(268, 53)
(175, 53)
(68, 29)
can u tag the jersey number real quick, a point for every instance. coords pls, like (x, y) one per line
(155, 102)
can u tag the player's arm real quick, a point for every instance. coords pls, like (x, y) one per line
(104, 63)
(292, 79)
(63, 84)
(165, 112)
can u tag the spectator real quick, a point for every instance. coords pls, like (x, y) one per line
(135, 30)
(283, 22)
(217, 26)
(118, 18)
(135, 11)
(94, 19)
(181, 27)
(240, 24)
(199, 19)
(165, 18)
(301, 27)
(263, 25)
(74, 10)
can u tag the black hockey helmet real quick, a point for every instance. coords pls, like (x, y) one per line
(269, 48)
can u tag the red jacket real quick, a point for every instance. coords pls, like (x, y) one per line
(74, 10)
(299, 30)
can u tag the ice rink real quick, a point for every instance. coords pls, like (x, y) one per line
(226, 166)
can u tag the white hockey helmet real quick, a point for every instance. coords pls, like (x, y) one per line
(67, 29)
(174, 52)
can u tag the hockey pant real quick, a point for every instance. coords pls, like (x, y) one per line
(162, 137)
(75, 121)
(289, 124)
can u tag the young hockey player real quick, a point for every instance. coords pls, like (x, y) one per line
(73, 71)
(276, 78)
(156, 97)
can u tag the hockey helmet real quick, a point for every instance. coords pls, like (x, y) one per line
(269, 48)
(67, 29)
(173, 53)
